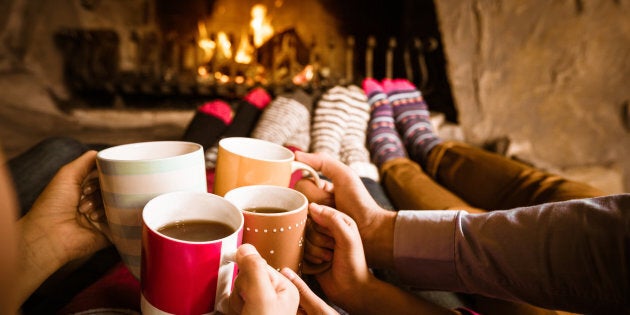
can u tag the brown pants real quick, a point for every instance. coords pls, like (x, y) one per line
(459, 176)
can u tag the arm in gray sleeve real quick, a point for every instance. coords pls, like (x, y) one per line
(572, 255)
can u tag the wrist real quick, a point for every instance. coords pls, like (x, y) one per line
(39, 244)
(378, 240)
(37, 258)
(363, 301)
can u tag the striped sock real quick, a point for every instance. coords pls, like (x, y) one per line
(329, 123)
(413, 119)
(354, 152)
(284, 122)
(383, 140)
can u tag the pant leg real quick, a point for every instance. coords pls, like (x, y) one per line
(33, 169)
(410, 188)
(377, 192)
(491, 181)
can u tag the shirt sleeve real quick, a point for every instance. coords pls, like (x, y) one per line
(571, 255)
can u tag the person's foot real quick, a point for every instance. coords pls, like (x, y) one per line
(354, 152)
(285, 121)
(329, 122)
(384, 142)
(412, 117)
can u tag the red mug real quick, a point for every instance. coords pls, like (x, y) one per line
(183, 272)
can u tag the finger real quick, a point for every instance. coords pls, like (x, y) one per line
(323, 196)
(339, 173)
(318, 247)
(343, 229)
(315, 254)
(309, 301)
(319, 235)
(253, 272)
(235, 301)
(91, 184)
(82, 166)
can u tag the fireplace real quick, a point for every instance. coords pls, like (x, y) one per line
(179, 53)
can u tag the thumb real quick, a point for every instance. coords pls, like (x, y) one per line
(82, 166)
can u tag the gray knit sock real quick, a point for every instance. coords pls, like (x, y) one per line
(284, 121)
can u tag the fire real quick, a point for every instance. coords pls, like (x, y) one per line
(245, 51)
(205, 43)
(224, 44)
(220, 49)
(260, 25)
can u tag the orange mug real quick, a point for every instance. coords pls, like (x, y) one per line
(248, 161)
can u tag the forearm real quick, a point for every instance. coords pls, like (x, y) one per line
(37, 260)
(384, 298)
(570, 255)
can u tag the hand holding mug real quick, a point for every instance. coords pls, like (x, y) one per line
(260, 289)
(336, 239)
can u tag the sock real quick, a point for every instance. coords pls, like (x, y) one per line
(383, 140)
(248, 111)
(354, 152)
(286, 121)
(301, 138)
(209, 122)
(412, 117)
(329, 122)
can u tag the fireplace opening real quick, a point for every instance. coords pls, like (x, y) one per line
(180, 53)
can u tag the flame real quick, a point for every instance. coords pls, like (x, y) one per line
(245, 51)
(224, 45)
(260, 25)
(304, 76)
(202, 71)
(205, 43)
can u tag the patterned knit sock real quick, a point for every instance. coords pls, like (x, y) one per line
(286, 121)
(383, 140)
(329, 122)
(412, 117)
(209, 122)
(354, 152)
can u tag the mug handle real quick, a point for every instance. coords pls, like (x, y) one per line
(312, 174)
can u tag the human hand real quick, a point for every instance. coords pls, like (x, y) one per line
(259, 289)
(348, 274)
(62, 210)
(349, 195)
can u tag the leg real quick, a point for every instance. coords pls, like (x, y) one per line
(412, 189)
(378, 193)
(490, 181)
(33, 169)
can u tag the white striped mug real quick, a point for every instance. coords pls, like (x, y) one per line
(132, 174)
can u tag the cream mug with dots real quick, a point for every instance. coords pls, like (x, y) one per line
(274, 223)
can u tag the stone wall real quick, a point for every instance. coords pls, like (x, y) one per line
(552, 76)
